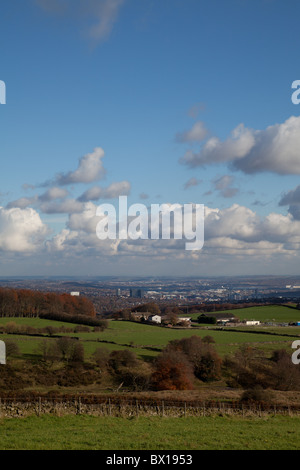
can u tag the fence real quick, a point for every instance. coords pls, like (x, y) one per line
(22, 407)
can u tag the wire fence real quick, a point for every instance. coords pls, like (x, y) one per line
(18, 407)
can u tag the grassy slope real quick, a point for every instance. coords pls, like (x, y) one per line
(121, 334)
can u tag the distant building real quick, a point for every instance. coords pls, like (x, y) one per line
(139, 293)
(154, 318)
(222, 318)
(75, 294)
(252, 322)
(140, 316)
(184, 320)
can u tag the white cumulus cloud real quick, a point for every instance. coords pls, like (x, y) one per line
(90, 169)
(21, 230)
(275, 149)
(196, 134)
(120, 188)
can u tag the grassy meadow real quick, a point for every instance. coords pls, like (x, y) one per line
(147, 340)
(111, 433)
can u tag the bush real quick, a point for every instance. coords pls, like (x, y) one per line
(202, 356)
(285, 374)
(121, 358)
(12, 349)
(249, 368)
(77, 353)
(101, 357)
(257, 395)
(127, 369)
(172, 371)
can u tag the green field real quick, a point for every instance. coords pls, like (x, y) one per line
(147, 340)
(108, 433)
(86, 432)
(226, 341)
(265, 313)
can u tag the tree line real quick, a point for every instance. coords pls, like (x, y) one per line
(29, 303)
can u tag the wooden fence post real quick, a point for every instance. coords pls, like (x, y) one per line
(79, 406)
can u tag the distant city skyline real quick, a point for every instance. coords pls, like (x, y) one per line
(189, 101)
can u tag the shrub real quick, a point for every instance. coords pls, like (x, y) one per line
(285, 374)
(248, 368)
(12, 349)
(123, 358)
(257, 395)
(172, 371)
(77, 353)
(202, 356)
(101, 357)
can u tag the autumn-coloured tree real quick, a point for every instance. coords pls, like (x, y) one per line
(202, 356)
(28, 303)
(172, 371)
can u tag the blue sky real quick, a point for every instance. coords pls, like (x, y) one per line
(176, 101)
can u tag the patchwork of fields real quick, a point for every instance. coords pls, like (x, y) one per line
(147, 340)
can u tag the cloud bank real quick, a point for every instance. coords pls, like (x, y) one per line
(275, 149)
